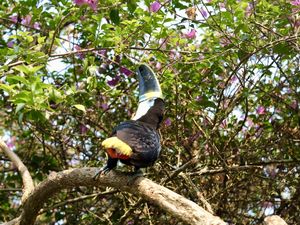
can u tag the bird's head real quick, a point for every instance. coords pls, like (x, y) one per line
(151, 104)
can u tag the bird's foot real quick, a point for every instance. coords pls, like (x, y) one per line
(103, 171)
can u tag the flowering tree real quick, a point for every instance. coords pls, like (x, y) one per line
(229, 71)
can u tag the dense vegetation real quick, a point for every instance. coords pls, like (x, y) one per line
(229, 71)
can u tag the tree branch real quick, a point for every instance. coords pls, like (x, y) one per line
(173, 203)
(28, 185)
(274, 220)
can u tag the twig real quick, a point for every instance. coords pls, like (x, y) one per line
(81, 198)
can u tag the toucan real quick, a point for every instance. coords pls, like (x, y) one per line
(136, 142)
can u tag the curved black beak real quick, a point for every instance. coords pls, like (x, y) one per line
(148, 84)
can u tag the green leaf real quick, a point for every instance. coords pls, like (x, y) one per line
(19, 107)
(7, 88)
(18, 78)
(114, 16)
(22, 68)
(80, 107)
(131, 4)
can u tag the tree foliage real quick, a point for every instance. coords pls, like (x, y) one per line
(229, 71)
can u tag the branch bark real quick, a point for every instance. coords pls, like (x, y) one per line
(274, 220)
(28, 185)
(173, 203)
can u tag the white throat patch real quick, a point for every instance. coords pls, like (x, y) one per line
(143, 108)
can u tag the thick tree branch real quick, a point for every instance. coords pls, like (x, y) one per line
(28, 185)
(175, 204)
(274, 220)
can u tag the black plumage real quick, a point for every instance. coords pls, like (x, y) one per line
(142, 136)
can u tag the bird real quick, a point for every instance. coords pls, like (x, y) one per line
(136, 142)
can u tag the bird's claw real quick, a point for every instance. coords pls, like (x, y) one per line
(101, 172)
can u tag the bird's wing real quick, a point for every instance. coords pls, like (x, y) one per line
(143, 140)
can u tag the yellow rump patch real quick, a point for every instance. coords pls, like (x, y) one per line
(120, 146)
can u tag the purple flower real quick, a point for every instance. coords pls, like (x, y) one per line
(168, 122)
(126, 71)
(104, 106)
(80, 54)
(233, 79)
(103, 52)
(80, 2)
(250, 122)
(223, 124)
(10, 44)
(26, 20)
(113, 82)
(174, 54)
(191, 34)
(155, 6)
(11, 142)
(93, 4)
(14, 19)
(224, 41)
(203, 12)
(36, 26)
(199, 98)
(222, 5)
(261, 110)
(83, 129)
(296, 2)
(158, 66)
(249, 9)
(294, 104)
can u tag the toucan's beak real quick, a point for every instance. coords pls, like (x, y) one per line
(148, 84)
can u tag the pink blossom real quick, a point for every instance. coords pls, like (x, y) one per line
(83, 129)
(155, 6)
(11, 142)
(91, 3)
(158, 66)
(267, 204)
(26, 20)
(250, 122)
(222, 5)
(191, 34)
(114, 81)
(36, 26)
(80, 2)
(174, 54)
(162, 43)
(14, 19)
(10, 44)
(199, 98)
(233, 79)
(296, 2)
(225, 41)
(223, 124)
(103, 52)
(294, 104)
(126, 71)
(80, 54)
(168, 122)
(261, 110)
(249, 9)
(104, 106)
(297, 23)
